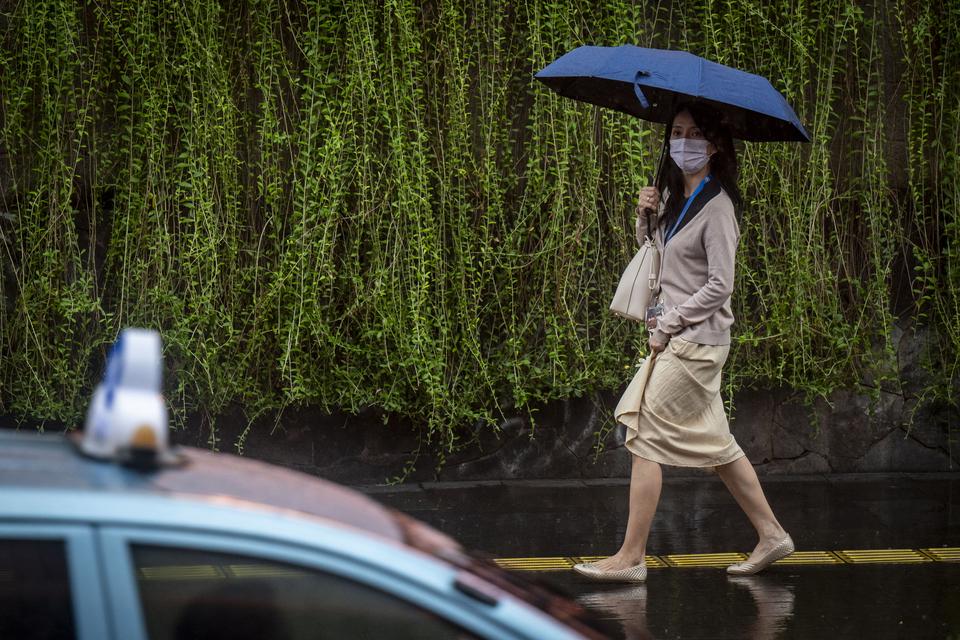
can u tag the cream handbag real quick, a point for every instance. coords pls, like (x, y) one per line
(638, 284)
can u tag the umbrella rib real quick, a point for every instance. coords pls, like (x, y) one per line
(699, 77)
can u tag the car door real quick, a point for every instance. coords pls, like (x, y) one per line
(51, 587)
(173, 584)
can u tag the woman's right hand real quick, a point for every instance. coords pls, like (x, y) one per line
(655, 344)
(649, 201)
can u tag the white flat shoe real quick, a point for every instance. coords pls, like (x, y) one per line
(781, 550)
(636, 573)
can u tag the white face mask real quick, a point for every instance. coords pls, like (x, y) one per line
(690, 154)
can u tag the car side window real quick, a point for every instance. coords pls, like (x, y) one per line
(188, 593)
(35, 597)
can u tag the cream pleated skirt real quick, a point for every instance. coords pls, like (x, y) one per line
(673, 411)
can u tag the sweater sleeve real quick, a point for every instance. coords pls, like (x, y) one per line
(641, 227)
(720, 238)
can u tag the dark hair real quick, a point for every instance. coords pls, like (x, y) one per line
(723, 164)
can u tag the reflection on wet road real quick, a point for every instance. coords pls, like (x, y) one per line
(543, 519)
(877, 601)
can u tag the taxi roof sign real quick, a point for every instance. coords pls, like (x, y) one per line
(127, 417)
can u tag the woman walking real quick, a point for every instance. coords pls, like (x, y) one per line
(676, 415)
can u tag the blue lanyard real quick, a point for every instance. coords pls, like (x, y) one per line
(693, 196)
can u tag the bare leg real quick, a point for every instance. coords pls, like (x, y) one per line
(645, 483)
(742, 482)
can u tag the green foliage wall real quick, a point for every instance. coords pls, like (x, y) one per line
(372, 204)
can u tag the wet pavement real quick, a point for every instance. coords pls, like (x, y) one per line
(542, 519)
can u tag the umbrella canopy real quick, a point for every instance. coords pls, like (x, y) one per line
(650, 83)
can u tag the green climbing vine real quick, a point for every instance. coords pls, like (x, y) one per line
(373, 205)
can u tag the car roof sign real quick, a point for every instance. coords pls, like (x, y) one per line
(127, 418)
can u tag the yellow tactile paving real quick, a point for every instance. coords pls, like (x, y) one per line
(536, 564)
(263, 571)
(653, 562)
(944, 554)
(846, 556)
(565, 563)
(183, 572)
(884, 556)
(215, 572)
(811, 557)
(590, 558)
(703, 559)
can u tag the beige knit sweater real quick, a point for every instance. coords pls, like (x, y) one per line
(696, 274)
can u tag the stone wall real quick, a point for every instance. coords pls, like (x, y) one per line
(780, 433)
(576, 438)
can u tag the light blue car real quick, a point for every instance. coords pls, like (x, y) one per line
(215, 546)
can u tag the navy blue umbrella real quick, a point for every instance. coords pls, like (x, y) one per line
(651, 83)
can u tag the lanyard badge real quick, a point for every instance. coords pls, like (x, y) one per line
(683, 213)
